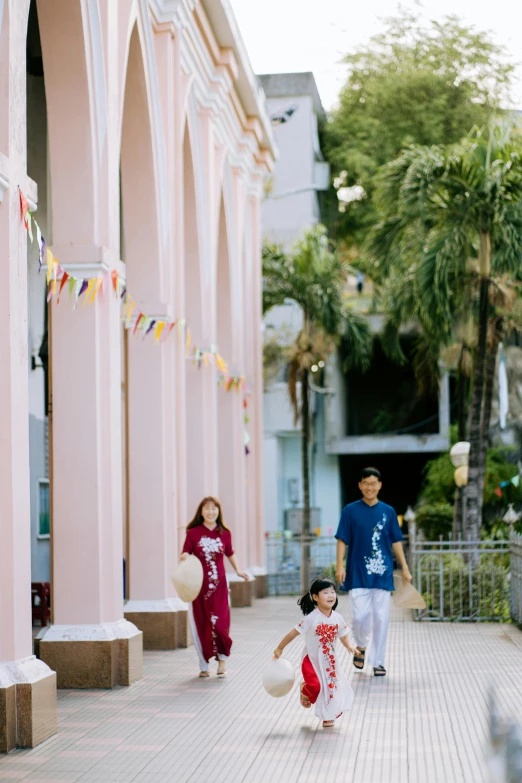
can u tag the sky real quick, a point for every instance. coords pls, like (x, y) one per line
(313, 35)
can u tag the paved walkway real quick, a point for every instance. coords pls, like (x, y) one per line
(425, 722)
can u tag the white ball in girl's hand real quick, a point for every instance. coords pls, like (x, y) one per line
(278, 677)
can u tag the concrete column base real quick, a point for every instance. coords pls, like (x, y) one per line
(241, 593)
(261, 580)
(164, 623)
(92, 656)
(28, 713)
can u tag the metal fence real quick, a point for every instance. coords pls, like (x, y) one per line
(516, 577)
(283, 560)
(462, 580)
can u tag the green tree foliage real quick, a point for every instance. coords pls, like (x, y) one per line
(439, 484)
(412, 84)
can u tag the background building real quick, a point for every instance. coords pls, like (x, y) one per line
(290, 208)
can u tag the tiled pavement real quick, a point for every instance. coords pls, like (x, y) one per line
(425, 722)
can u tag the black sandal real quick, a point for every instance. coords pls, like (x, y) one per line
(379, 671)
(359, 658)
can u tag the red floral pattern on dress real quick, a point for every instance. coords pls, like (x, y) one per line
(327, 635)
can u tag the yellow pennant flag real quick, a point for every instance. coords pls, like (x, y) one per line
(205, 359)
(129, 312)
(88, 291)
(50, 264)
(221, 363)
(158, 330)
(97, 287)
(187, 344)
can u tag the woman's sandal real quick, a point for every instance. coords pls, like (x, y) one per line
(305, 701)
(328, 724)
(221, 672)
(379, 671)
(204, 674)
(359, 658)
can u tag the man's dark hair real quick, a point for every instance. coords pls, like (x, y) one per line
(367, 472)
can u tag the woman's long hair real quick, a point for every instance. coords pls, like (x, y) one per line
(198, 516)
(307, 603)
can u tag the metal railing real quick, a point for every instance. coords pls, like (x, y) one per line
(516, 577)
(283, 560)
(464, 581)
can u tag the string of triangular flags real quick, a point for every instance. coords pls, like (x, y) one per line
(515, 481)
(137, 322)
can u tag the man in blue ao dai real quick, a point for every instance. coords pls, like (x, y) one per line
(369, 529)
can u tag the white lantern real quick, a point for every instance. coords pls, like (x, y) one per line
(459, 454)
(511, 516)
(461, 476)
(278, 677)
(188, 578)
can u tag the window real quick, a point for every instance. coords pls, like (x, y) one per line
(44, 509)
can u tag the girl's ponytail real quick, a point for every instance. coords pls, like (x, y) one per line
(307, 603)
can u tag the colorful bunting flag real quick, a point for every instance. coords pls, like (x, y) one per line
(162, 329)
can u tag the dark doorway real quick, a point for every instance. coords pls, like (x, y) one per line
(402, 476)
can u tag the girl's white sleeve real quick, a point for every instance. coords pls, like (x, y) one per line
(343, 629)
(305, 624)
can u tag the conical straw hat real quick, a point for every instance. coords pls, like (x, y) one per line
(406, 596)
(278, 677)
(188, 578)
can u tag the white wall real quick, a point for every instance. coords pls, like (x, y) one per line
(285, 219)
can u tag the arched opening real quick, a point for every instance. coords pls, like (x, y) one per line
(227, 443)
(146, 417)
(38, 320)
(194, 388)
(231, 468)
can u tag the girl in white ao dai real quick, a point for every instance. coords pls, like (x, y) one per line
(324, 683)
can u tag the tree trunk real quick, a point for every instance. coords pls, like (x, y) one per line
(491, 365)
(459, 505)
(473, 494)
(305, 531)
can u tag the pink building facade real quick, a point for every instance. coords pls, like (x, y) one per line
(140, 138)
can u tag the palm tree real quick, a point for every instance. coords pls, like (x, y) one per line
(453, 221)
(314, 277)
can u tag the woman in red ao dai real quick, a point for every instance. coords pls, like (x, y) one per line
(211, 541)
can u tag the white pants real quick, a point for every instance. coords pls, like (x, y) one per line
(371, 615)
(203, 664)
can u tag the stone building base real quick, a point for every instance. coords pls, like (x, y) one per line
(241, 593)
(261, 581)
(164, 623)
(28, 713)
(92, 656)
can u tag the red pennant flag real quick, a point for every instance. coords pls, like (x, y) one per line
(63, 281)
(114, 277)
(498, 492)
(24, 206)
(138, 319)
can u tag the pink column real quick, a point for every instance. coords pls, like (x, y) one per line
(150, 382)
(23, 679)
(90, 643)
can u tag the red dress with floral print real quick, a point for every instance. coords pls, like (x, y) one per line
(211, 608)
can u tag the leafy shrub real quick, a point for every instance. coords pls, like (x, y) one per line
(434, 520)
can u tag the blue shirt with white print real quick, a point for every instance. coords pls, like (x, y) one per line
(369, 532)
